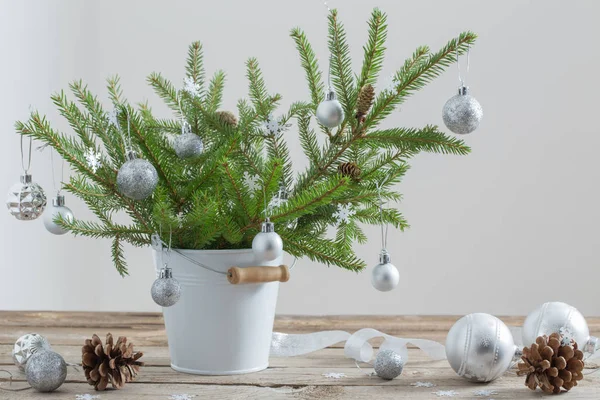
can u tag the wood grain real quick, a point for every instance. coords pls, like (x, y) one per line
(287, 378)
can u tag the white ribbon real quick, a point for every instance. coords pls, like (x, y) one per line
(357, 346)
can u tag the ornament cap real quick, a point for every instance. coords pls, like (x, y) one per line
(330, 95)
(463, 90)
(131, 155)
(384, 257)
(58, 201)
(26, 178)
(166, 273)
(518, 353)
(591, 346)
(268, 226)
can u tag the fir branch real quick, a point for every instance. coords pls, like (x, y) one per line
(322, 250)
(412, 141)
(310, 66)
(341, 66)
(195, 65)
(374, 49)
(214, 96)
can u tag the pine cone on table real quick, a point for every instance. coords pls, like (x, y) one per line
(349, 169)
(551, 364)
(114, 363)
(366, 95)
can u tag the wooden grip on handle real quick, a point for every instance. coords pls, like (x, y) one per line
(237, 275)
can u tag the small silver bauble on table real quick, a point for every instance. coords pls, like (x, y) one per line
(385, 275)
(557, 317)
(462, 113)
(267, 244)
(26, 200)
(330, 112)
(58, 208)
(166, 290)
(46, 371)
(137, 178)
(388, 364)
(480, 347)
(26, 346)
(188, 144)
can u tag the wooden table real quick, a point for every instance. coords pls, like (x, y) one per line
(301, 377)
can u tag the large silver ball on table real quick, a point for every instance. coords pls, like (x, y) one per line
(46, 371)
(26, 346)
(137, 178)
(480, 347)
(462, 113)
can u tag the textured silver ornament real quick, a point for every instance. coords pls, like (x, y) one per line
(267, 244)
(330, 112)
(58, 208)
(385, 275)
(557, 317)
(462, 113)
(26, 346)
(480, 347)
(46, 371)
(188, 144)
(26, 200)
(166, 290)
(137, 178)
(388, 364)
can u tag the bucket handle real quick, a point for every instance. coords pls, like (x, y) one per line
(237, 275)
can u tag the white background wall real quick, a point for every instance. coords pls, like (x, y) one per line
(508, 227)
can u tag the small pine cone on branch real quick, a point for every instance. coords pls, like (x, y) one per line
(227, 117)
(550, 364)
(366, 95)
(114, 363)
(349, 169)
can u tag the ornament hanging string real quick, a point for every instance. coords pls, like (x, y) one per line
(62, 172)
(185, 126)
(384, 233)
(26, 170)
(463, 82)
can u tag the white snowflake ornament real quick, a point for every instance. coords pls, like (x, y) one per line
(252, 182)
(567, 336)
(191, 87)
(344, 213)
(446, 393)
(184, 396)
(86, 397)
(335, 375)
(423, 384)
(93, 159)
(113, 117)
(274, 126)
(484, 393)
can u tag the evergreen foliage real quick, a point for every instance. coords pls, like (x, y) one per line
(207, 202)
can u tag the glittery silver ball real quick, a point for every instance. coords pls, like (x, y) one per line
(166, 291)
(388, 364)
(480, 347)
(385, 277)
(330, 113)
(137, 179)
(267, 246)
(46, 371)
(26, 346)
(188, 145)
(26, 200)
(556, 317)
(462, 113)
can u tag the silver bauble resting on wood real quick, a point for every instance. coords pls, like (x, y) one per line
(166, 290)
(188, 144)
(385, 275)
(330, 112)
(137, 178)
(26, 200)
(557, 317)
(46, 371)
(480, 347)
(58, 208)
(26, 346)
(462, 113)
(388, 364)
(267, 244)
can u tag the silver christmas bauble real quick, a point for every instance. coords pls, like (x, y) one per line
(388, 364)
(557, 317)
(188, 145)
(480, 347)
(137, 178)
(46, 371)
(330, 112)
(166, 290)
(267, 244)
(58, 208)
(26, 200)
(385, 275)
(462, 113)
(26, 346)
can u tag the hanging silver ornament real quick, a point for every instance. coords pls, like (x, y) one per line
(480, 347)
(58, 208)
(557, 317)
(330, 112)
(462, 113)
(137, 178)
(267, 244)
(46, 371)
(26, 200)
(385, 275)
(166, 290)
(388, 364)
(188, 144)
(26, 346)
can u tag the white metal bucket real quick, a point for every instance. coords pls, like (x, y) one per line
(218, 328)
